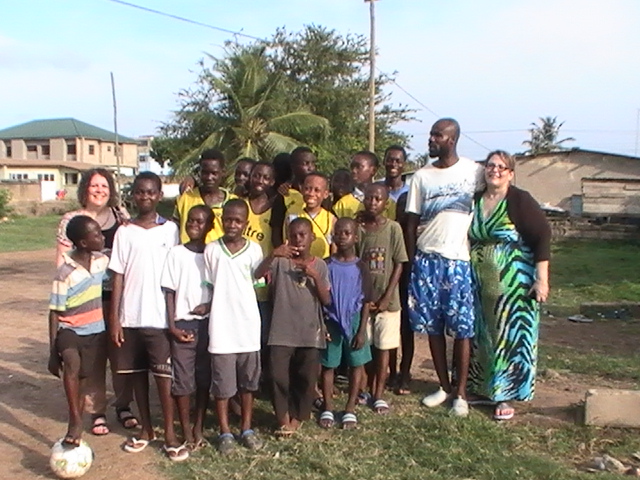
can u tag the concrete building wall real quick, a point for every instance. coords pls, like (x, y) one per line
(22, 191)
(557, 178)
(18, 149)
(58, 148)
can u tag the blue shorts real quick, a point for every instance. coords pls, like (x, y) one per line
(441, 296)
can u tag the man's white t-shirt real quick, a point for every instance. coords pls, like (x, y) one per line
(234, 322)
(139, 254)
(443, 197)
(184, 274)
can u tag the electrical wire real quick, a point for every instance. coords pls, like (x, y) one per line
(252, 37)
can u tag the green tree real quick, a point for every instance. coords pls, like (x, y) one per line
(329, 73)
(545, 137)
(271, 96)
(236, 106)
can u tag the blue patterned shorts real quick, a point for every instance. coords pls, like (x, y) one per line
(441, 296)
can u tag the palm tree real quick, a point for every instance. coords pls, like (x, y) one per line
(544, 137)
(240, 111)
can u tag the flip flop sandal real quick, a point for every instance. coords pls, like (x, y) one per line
(402, 389)
(126, 418)
(327, 420)
(318, 404)
(99, 426)
(364, 398)
(284, 432)
(176, 454)
(195, 446)
(349, 421)
(380, 407)
(508, 410)
(135, 445)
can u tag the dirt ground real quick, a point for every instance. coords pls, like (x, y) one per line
(32, 404)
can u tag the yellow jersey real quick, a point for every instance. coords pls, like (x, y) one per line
(293, 199)
(259, 230)
(190, 199)
(322, 224)
(349, 205)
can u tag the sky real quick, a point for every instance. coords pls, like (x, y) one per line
(494, 65)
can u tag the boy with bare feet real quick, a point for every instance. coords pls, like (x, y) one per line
(300, 286)
(76, 324)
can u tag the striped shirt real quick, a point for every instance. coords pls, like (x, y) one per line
(76, 294)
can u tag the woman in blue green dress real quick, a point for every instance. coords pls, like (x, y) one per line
(510, 240)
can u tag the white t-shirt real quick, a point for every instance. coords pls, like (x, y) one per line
(443, 197)
(234, 322)
(184, 274)
(139, 254)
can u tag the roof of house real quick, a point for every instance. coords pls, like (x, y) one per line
(60, 128)
(576, 151)
(79, 166)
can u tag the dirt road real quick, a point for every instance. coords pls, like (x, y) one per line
(32, 405)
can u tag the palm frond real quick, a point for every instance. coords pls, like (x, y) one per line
(299, 123)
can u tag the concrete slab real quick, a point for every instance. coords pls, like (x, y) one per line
(612, 408)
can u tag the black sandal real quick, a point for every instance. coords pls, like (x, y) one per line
(126, 418)
(99, 425)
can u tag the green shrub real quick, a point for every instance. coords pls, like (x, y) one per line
(5, 198)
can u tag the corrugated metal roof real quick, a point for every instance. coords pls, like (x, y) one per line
(60, 128)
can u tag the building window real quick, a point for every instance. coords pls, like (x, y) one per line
(47, 177)
(71, 149)
(92, 149)
(18, 176)
(32, 148)
(8, 151)
(108, 148)
(70, 178)
(46, 150)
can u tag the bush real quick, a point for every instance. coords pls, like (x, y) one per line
(5, 198)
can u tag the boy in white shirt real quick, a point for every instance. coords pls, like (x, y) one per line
(234, 325)
(188, 303)
(138, 318)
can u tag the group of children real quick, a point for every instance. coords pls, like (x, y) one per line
(271, 286)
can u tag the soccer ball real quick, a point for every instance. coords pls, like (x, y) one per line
(70, 462)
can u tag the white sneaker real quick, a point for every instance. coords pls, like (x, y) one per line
(460, 408)
(435, 399)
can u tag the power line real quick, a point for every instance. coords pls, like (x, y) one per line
(435, 114)
(240, 34)
(184, 19)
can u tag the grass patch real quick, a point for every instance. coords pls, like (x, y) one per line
(593, 270)
(590, 362)
(412, 442)
(28, 233)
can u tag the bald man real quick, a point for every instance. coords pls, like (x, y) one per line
(438, 212)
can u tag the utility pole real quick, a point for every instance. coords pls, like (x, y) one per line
(372, 75)
(637, 130)
(115, 127)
